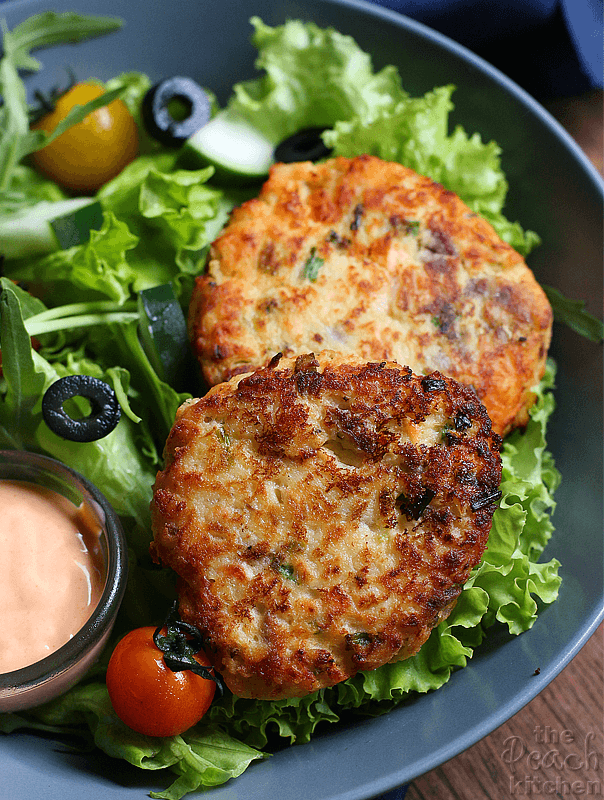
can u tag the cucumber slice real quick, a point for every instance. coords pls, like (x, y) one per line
(72, 229)
(164, 337)
(238, 152)
(49, 226)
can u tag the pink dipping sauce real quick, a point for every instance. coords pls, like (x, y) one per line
(51, 571)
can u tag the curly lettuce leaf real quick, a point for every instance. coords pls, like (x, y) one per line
(172, 212)
(99, 268)
(317, 77)
(180, 205)
(509, 571)
(312, 76)
(203, 757)
(414, 132)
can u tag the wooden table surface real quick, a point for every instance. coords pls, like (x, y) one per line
(554, 746)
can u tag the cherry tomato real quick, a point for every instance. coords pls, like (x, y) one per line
(147, 695)
(92, 152)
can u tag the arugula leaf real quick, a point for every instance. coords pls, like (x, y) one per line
(50, 28)
(41, 30)
(14, 119)
(25, 381)
(573, 313)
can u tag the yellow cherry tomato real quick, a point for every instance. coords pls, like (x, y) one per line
(92, 152)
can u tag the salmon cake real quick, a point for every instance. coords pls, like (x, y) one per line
(367, 257)
(322, 515)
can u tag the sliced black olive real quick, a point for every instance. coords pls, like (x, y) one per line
(104, 414)
(306, 145)
(175, 109)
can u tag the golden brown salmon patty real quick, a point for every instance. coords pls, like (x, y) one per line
(323, 515)
(366, 257)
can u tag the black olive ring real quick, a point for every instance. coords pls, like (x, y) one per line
(104, 415)
(305, 145)
(156, 111)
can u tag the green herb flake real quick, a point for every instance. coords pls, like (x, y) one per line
(313, 265)
(224, 437)
(285, 570)
(447, 427)
(361, 639)
(404, 226)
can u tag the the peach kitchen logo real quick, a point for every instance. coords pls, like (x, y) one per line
(556, 763)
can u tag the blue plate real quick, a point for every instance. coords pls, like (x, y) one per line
(555, 191)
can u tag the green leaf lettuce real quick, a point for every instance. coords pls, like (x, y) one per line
(312, 76)
(317, 77)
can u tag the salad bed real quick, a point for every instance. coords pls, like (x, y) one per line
(158, 221)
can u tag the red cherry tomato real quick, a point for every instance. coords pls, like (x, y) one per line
(147, 695)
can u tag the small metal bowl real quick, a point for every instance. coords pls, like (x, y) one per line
(56, 673)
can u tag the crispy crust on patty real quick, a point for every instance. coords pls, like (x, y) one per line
(366, 257)
(323, 514)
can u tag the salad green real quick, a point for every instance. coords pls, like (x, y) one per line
(49, 226)
(158, 221)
